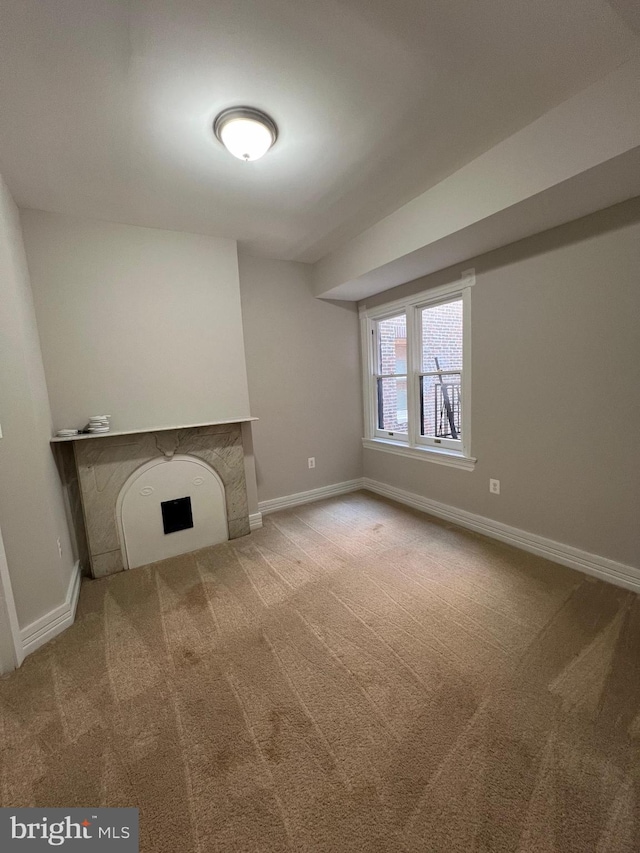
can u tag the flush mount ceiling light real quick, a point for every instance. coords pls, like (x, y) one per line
(245, 132)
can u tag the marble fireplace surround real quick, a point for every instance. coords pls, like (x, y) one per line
(104, 463)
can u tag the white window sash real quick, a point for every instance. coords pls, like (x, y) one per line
(375, 430)
(435, 441)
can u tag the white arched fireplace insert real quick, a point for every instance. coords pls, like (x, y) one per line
(170, 506)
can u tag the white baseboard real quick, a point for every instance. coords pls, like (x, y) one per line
(287, 501)
(255, 521)
(53, 623)
(592, 564)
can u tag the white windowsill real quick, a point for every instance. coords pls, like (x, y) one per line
(440, 456)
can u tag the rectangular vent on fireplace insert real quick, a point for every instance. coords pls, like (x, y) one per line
(176, 515)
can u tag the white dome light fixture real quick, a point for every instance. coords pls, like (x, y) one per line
(245, 132)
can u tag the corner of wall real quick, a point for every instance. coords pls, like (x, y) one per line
(41, 564)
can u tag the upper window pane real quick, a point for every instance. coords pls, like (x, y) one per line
(392, 345)
(442, 337)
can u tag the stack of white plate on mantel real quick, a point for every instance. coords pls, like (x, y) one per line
(98, 423)
(67, 433)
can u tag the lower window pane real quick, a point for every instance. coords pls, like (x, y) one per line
(392, 404)
(441, 406)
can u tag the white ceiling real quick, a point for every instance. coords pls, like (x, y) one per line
(106, 106)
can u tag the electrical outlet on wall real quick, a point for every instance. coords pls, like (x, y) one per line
(312, 461)
(59, 547)
(494, 487)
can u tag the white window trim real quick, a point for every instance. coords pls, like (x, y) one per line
(383, 434)
(411, 446)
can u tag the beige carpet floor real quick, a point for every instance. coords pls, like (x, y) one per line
(352, 677)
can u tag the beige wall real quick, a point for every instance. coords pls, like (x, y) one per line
(32, 510)
(304, 379)
(138, 323)
(555, 386)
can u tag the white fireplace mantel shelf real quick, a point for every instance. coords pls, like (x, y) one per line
(83, 435)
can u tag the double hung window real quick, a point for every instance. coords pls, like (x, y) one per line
(417, 375)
